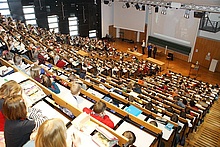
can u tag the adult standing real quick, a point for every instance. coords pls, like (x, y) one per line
(149, 49)
(154, 51)
(143, 46)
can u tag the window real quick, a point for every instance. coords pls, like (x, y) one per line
(92, 34)
(73, 26)
(29, 15)
(53, 23)
(4, 9)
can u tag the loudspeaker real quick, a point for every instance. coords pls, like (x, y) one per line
(137, 6)
(199, 14)
(156, 9)
(106, 2)
(127, 5)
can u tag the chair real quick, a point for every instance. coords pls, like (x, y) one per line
(170, 56)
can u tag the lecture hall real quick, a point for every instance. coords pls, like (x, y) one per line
(109, 73)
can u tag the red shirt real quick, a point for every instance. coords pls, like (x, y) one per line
(2, 121)
(2, 117)
(60, 63)
(105, 120)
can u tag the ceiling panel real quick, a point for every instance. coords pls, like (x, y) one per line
(198, 2)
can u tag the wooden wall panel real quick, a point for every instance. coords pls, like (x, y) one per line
(161, 50)
(112, 31)
(128, 34)
(205, 46)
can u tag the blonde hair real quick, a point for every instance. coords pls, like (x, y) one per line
(52, 133)
(10, 88)
(35, 71)
(99, 107)
(75, 88)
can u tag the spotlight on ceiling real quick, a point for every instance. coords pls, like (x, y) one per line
(106, 2)
(137, 6)
(186, 15)
(143, 7)
(127, 5)
(164, 11)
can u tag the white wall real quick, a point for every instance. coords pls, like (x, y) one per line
(215, 36)
(107, 18)
(129, 18)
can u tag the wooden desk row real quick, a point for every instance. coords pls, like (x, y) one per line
(60, 101)
(112, 107)
(158, 62)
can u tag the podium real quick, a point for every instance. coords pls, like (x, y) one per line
(194, 67)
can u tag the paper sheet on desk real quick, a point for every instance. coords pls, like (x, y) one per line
(86, 140)
(96, 93)
(50, 112)
(134, 94)
(17, 76)
(33, 92)
(143, 139)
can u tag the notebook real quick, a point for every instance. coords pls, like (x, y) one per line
(133, 110)
(106, 98)
(103, 138)
(169, 126)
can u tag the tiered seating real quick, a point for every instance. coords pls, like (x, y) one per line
(99, 86)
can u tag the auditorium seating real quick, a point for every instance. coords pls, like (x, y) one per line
(151, 93)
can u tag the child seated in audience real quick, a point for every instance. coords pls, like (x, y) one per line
(175, 119)
(179, 102)
(73, 79)
(140, 80)
(52, 133)
(20, 122)
(129, 86)
(75, 91)
(98, 113)
(18, 62)
(162, 144)
(193, 104)
(137, 88)
(131, 138)
(9, 57)
(131, 98)
(154, 123)
(46, 81)
(7, 89)
(35, 73)
(149, 106)
(82, 74)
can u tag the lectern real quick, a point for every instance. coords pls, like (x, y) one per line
(194, 67)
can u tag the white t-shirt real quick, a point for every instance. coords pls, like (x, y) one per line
(143, 44)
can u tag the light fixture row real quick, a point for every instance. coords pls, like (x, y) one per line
(169, 5)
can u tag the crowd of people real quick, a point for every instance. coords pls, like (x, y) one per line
(60, 50)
